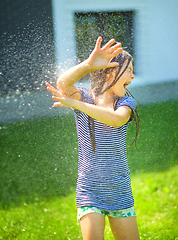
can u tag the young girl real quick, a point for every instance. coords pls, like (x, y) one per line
(102, 116)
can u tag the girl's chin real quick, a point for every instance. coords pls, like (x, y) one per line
(121, 95)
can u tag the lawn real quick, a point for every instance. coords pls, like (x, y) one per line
(38, 171)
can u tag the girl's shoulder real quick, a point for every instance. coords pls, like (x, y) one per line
(85, 95)
(126, 101)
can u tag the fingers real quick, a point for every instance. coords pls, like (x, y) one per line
(112, 51)
(108, 44)
(61, 99)
(112, 55)
(98, 42)
(49, 85)
(57, 104)
(116, 52)
(116, 47)
(62, 102)
(113, 64)
(53, 90)
(57, 98)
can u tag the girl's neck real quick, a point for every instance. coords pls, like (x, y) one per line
(105, 100)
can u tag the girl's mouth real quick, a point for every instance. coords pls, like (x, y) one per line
(126, 85)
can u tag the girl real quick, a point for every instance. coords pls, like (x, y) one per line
(102, 116)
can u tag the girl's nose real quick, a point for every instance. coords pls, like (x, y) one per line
(132, 76)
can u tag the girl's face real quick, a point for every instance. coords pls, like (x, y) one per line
(119, 88)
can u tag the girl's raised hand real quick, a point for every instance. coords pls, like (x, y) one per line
(100, 57)
(62, 101)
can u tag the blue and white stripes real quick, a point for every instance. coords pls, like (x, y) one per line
(103, 176)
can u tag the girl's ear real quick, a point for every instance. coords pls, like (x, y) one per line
(110, 76)
(114, 72)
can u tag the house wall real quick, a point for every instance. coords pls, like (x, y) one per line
(162, 41)
(155, 35)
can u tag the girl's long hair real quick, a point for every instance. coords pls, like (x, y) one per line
(98, 80)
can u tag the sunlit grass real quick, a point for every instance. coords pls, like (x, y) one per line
(155, 202)
(156, 197)
(38, 171)
(44, 219)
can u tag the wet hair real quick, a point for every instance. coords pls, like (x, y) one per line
(100, 77)
(98, 80)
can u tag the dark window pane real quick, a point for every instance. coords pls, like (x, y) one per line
(109, 25)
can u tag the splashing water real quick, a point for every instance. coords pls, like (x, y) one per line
(27, 62)
(27, 59)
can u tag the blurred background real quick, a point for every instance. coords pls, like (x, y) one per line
(41, 39)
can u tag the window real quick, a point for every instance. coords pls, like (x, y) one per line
(89, 26)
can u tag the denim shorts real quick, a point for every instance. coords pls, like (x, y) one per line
(128, 212)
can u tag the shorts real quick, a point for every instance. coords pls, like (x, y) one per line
(128, 212)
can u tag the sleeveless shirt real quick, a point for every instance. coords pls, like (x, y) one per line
(103, 176)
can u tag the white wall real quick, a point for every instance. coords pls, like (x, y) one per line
(156, 34)
(162, 41)
(64, 34)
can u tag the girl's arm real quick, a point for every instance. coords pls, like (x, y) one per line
(67, 80)
(105, 115)
(99, 58)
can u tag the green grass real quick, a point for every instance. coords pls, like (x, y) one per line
(38, 171)
(158, 139)
(156, 204)
(38, 158)
(55, 218)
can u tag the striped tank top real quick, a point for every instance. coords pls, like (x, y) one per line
(103, 176)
